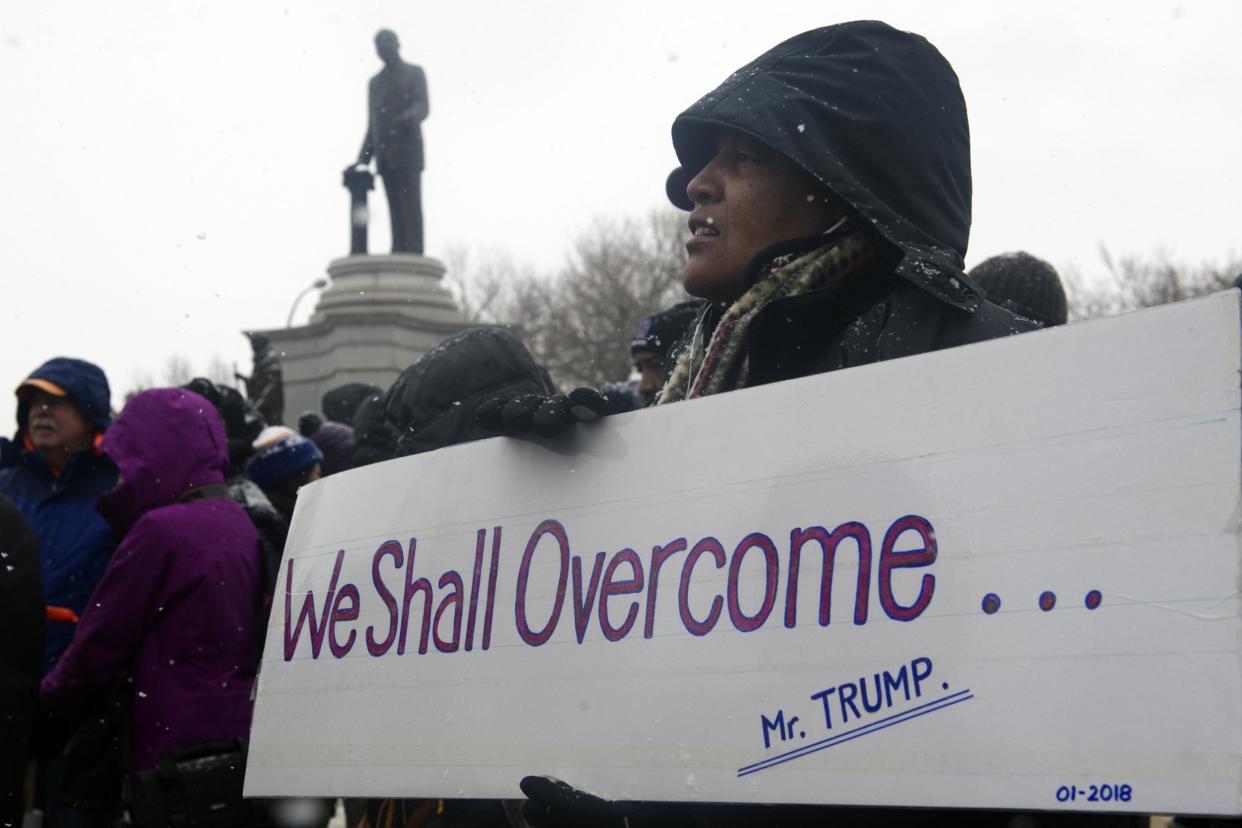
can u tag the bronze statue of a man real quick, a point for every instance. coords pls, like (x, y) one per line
(396, 104)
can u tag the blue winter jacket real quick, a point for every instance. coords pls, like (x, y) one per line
(74, 541)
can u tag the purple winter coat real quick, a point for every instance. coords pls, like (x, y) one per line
(176, 608)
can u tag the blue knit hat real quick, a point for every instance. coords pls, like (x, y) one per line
(281, 453)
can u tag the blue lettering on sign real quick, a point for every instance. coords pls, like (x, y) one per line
(874, 693)
(1114, 792)
(857, 708)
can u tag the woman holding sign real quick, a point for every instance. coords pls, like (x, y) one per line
(829, 190)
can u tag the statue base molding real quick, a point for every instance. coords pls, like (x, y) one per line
(379, 314)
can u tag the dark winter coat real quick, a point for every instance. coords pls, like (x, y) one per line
(877, 116)
(21, 652)
(74, 541)
(175, 610)
(273, 531)
(375, 439)
(872, 316)
(434, 401)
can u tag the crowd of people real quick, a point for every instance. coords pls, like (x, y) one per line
(828, 190)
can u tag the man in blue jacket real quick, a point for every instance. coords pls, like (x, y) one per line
(54, 472)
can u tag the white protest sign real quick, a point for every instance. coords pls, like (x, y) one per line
(1005, 575)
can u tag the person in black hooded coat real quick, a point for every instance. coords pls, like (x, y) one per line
(829, 187)
(862, 256)
(21, 653)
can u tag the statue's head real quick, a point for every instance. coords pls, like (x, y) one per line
(387, 46)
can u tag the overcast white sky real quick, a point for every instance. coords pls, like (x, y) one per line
(172, 170)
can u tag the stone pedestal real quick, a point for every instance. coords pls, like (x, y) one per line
(379, 314)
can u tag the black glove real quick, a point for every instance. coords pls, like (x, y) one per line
(550, 803)
(502, 416)
(552, 416)
(587, 405)
(546, 416)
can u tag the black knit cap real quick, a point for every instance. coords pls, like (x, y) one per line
(242, 421)
(341, 403)
(1024, 284)
(660, 331)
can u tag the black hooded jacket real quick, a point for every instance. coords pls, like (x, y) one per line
(375, 440)
(21, 652)
(877, 116)
(433, 403)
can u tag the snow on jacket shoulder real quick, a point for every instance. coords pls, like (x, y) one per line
(874, 317)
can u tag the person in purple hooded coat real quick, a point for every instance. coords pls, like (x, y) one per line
(175, 611)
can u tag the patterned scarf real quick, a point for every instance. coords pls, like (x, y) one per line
(720, 362)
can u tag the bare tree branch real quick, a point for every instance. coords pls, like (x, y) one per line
(1133, 282)
(178, 370)
(578, 324)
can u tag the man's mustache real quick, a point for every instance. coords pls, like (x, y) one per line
(43, 422)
